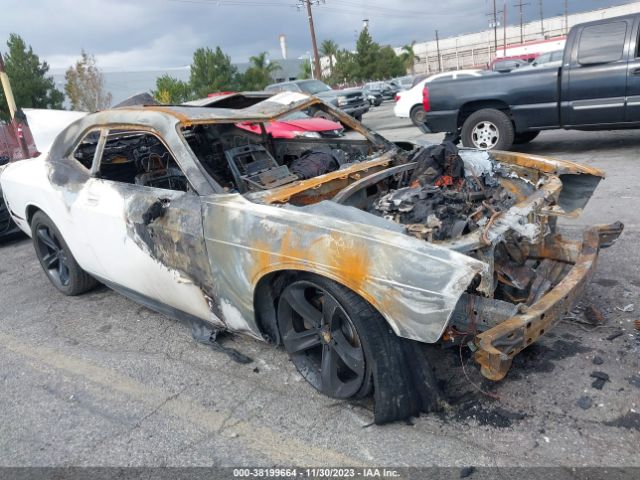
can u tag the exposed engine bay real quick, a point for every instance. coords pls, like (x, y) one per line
(245, 162)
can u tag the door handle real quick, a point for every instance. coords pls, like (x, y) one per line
(92, 199)
(636, 71)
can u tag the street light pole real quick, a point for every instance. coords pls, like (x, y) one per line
(541, 18)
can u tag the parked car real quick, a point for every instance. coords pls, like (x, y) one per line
(409, 103)
(596, 88)
(403, 83)
(348, 251)
(546, 60)
(385, 89)
(351, 100)
(508, 65)
(373, 97)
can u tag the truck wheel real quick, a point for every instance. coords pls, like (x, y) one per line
(418, 115)
(56, 259)
(524, 137)
(488, 129)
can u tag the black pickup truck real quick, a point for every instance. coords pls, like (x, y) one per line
(596, 88)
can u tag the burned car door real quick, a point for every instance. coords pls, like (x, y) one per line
(144, 221)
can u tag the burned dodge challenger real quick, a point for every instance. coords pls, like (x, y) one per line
(348, 251)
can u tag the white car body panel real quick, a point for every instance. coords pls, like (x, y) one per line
(407, 99)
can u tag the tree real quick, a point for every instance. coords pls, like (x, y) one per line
(170, 90)
(85, 85)
(260, 73)
(367, 52)
(329, 48)
(409, 57)
(32, 88)
(305, 70)
(389, 64)
(212, 72)
(345, 67)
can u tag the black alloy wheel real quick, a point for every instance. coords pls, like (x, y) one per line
(56, 258)
(52, 255)
(322, 340)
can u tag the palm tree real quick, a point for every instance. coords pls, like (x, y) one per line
(263, 65)
(329, 48)
(409, 57)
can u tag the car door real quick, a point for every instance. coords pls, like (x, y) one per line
(633, 79)
(597, 78)
(143, 221)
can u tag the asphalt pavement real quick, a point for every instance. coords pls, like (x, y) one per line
(98, 380)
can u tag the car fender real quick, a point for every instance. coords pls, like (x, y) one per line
(413, 284)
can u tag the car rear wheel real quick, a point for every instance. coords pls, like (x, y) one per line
(488, 129)
(525, 137)
(418, 115)
(322, 328)
(56, 259)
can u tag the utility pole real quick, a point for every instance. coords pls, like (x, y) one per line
(504, 28)
(541, 18)
(495, 28)
(438, 48)
(520, 6)
(494, 24)
(566, 16)
(316, 57)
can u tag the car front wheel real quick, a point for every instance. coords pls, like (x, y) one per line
(488, 129)
(320, 325)
(56, 259)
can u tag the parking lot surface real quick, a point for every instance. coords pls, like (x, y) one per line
(98, 380)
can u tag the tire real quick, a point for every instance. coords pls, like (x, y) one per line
(525, 137)
(358, 118)
(56, 258)
(418, 115)
(488, 129)
(395, 368)
(321, 114)
(315, 339)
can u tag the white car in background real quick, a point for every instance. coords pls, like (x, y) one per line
(409, 102)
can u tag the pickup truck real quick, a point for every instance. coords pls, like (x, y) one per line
(597, 87)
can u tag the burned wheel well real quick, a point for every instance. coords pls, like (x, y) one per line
(469, 108)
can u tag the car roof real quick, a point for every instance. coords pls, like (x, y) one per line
(165, 118)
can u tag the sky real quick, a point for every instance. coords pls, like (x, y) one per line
(161, 34)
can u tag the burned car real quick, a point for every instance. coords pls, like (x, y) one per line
(348, 251)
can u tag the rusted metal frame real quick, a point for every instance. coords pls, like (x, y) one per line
(498, 346)
(546, 165)
(355, 187)
(283, 194)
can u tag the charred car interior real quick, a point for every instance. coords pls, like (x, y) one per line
(322, 244)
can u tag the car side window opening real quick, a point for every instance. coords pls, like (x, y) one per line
(86, 149)
(602, 43)
(140, 158)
